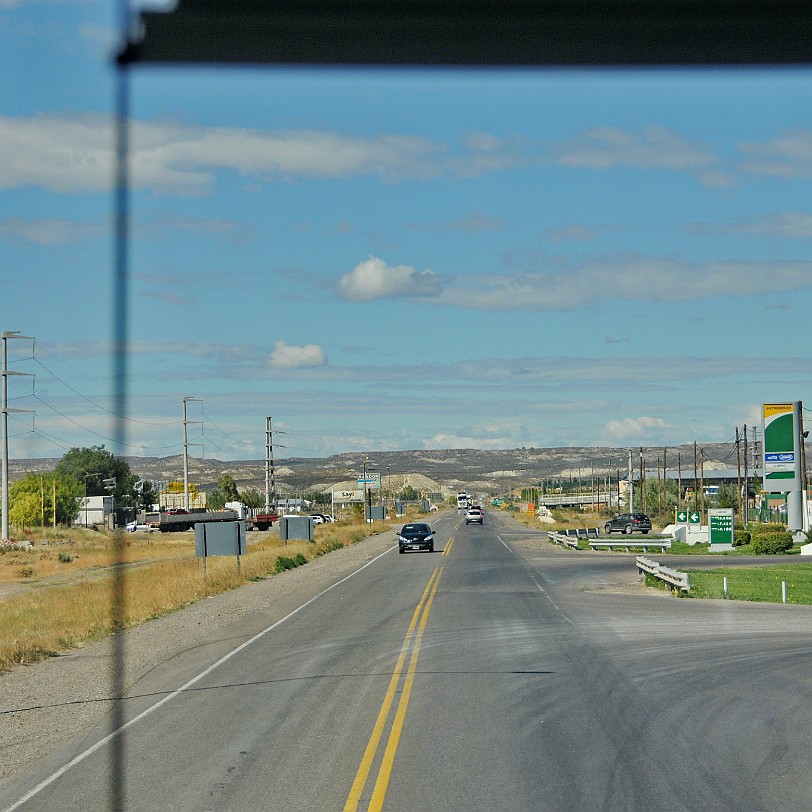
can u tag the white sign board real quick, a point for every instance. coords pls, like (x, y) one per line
(348, 496)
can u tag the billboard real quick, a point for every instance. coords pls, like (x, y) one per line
(781, 427)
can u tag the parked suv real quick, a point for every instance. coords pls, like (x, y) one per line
(628, 523)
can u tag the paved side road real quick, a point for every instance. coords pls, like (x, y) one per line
(45, 705)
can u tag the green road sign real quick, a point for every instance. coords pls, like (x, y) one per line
(694, 517)
(682, 517)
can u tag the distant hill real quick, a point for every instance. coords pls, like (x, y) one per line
(492, 471)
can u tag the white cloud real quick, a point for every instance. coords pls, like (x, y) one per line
(52, 231)
(73, 154)
(456, 441)
(792, 224)
(571, 233)
(290, 356)
(789, 156)
(374, 279)
(626, 277)
(636, 427)
(654, 148)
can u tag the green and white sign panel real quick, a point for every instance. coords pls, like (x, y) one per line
(682, 517)
(720, 523)
(694, 517)
(782, 455)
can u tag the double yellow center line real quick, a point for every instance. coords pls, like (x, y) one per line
(413, 640)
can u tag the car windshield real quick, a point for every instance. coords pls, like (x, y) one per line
(439, 262)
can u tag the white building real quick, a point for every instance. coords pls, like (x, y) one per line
(95, 511)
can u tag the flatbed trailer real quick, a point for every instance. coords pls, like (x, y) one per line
(178, 522)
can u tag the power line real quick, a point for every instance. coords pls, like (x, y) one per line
(103, 408)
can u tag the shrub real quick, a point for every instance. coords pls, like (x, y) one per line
(284, 563)
(741, 537)
(772, 543)
(766, 528)
(65, 558)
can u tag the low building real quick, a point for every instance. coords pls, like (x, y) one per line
(292, 505)
(95, 511)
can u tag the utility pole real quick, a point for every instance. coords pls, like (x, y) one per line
(738, 476)
(659, 488)
(642, 483)
(746, 480)
(270, 485)
(631, 485)
(804, 494)
(6, 335)
(186, 453)
(702, 472)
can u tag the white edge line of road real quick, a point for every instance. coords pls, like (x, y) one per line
(110, 736)
(533, 579)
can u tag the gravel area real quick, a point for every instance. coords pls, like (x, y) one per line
(46, 705)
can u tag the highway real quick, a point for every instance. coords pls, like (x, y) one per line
(498, 673)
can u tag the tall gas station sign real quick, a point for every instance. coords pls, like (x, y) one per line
(781, 425)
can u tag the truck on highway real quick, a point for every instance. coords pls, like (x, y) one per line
(178, 520)
(254, 518)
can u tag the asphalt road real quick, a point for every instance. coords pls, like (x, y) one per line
(499, 673)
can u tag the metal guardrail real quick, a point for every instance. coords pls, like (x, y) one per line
(677, 580)
(565, 540)
(644, 544)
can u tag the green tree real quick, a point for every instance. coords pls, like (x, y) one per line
(24, 510)
(409, 494)
(727, 497)
(317, 498)
(91, 466)
(28, 495)
(216, 500)
(228, 487)
(147, 496)
(252, 498)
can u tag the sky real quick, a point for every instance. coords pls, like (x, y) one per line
(397, 259)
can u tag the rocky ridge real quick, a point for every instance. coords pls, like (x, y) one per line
(487, 471)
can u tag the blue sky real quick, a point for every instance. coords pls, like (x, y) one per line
(391, 260)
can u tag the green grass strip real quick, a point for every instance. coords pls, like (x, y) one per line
(755, 583)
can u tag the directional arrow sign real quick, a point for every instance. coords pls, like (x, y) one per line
(682, 517)
(695, 517)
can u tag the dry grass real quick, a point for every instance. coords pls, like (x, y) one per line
(54, 618)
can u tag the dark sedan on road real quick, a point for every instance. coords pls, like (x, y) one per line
(628, 523)
(416, 536)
